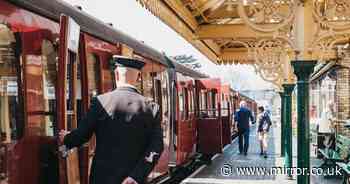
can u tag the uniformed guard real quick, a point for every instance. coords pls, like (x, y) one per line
(128, 132)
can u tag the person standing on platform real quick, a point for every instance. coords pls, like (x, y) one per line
(264, 124)
(326, 128)
(242, 124)
(129, 138)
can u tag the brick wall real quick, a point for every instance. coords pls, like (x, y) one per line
(343, 94)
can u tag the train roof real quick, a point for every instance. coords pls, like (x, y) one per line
(183, 69)
(52, 9)
(246, 97)
(188, 71)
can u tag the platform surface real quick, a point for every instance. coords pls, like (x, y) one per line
(223, 169)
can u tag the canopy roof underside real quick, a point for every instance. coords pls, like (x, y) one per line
(265, 33)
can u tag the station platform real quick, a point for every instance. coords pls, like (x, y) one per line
(223, 169)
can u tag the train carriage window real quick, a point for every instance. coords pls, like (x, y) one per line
(106, 74)
(203, 104)
(158, 93)
(10, 104)
(213, 106)
(147, 84)
(181, 104)
(74, 95)
(224, 105)
(41, 94)
(186, 105)
(94, 73)
(191, 102)
(8, 86)
(165, 107)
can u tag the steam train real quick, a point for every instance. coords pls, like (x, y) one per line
(47, 80)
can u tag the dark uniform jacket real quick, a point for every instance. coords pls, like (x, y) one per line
(128, 133)
(242, 117)
(264, 122)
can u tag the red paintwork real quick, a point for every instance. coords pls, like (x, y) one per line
(210, 144)
(21, 20)
(186, 127)
(210, 126)
(24, 154)
(61, 93)
(226, 130)
(227, 119)
(209, 83)
(105, 52)
(84, 151)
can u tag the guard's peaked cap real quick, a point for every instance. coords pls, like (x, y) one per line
(128, 62)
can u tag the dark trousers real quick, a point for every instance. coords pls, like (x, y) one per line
(243, 140)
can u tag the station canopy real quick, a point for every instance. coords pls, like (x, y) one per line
(267, 34)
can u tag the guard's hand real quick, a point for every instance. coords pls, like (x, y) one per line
(62, 134)
(129, 180)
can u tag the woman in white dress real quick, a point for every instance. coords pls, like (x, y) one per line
(326, 127)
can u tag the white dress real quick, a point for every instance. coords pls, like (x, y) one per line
(325, 122)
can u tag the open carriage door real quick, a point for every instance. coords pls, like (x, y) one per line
(66, 94)
(226, 115)
(185, 122)
(209, 121)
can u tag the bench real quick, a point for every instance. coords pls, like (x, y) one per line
(345, 168)
(338, 156)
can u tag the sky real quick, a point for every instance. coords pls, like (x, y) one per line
(129, 17)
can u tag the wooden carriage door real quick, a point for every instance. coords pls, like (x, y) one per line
(209, 123)
(184, 123)
(66, 94)
(226, 123)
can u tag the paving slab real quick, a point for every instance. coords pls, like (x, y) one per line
(231, 167)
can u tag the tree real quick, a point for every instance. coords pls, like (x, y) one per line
(188, 61)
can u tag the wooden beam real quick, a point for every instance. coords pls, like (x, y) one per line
(225, 31)
(213, 46)
(235, 56)
(183, 13)
(222, 14)
(210, 4)
(235, 50)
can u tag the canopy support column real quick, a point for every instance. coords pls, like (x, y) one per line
(288, 155)
(282, 124)
(303, 70)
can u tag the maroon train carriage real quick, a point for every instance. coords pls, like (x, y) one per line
(47, 81)
(209, 122)
(227, 110)
(34, 102)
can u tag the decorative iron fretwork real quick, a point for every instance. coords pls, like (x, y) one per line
(332, 14)
(333, 28)
(271, 60)
(267, 15)
(263, 33)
